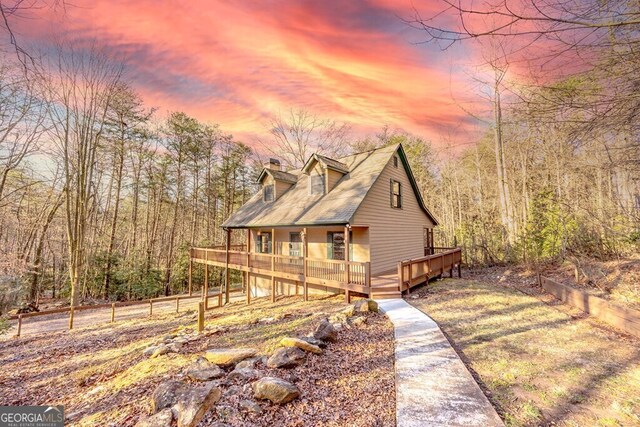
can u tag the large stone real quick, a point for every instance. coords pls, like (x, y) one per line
(166, 394)
(161, 419)
(203, 370)
(338, 318)
(325, 331)
(349, 310)
(243, 374)
(160, 351)
(229, 356)
(286, 357)
(194, 403)
(314, 341)
(150, 350)
(247, 363)
(365, 305)
(274, 389)
(301, 344)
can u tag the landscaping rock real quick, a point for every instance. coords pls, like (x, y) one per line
(338, 318)
(194, 403)
(243, 374)
(250, 406)
(337, 326)
(160, 351)
(149, 350)
(174, 348)
(274, 389)
(287, 357)
(203, 370)
(165, 395)
(349, 311)
(365, 305)
(161, 419)
(301, 344)
(325, 331)
(359, 321)
(248, 363)
(314, 341)
(229, 356)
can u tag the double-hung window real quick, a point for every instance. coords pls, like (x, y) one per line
(396, 194)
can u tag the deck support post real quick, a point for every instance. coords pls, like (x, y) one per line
(347, 246)
(205, 291)
(227, 273)
(190, 270)
(273, 265)
(248, 266)
(459, 271)
(400, 278)
(305, 267)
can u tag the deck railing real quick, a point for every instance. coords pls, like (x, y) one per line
(322, 271)
(418, 270)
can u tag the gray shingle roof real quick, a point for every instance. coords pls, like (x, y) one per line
(297, 207)
(327, 162)
(279, 175)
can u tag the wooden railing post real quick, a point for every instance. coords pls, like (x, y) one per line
(190, 270)
(367, 276)
(200, 316)
(178, 304)
(150, 307)
(248, 266)
(205, 291)
(400, 276)
(410, 277)
(19, 325)
(71, 313)
(227, 276)
(305, 263)
(113, 312)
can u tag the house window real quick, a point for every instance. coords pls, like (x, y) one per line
(295, 244)
(263, 242)
(396, 194)
(267, 193)
(395, 161)
(335, 245)
(316, 184)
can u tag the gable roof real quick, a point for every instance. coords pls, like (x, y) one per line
(326, 162)
(296, 207)
(278, 175)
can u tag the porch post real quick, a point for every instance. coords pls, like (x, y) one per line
(205, 292)
(227, 273)
(305, 251)
(273, 265)
(347, 245)
(248, 266)
(190, 269)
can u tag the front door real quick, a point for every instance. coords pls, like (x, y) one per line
(295, 244)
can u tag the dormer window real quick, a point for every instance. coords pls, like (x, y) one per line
(268, 193)
(316, 184)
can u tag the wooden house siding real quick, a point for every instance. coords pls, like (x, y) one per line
(332, 179)
(394, 234)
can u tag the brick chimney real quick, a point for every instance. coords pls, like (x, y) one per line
(273, 164)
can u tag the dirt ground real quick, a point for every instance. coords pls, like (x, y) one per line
(100, 375)
(540, 363)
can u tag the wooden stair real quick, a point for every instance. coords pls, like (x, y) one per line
(385, 292)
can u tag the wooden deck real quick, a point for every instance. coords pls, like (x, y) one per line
(350, 276)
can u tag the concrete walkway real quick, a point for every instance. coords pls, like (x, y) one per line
(433, 386)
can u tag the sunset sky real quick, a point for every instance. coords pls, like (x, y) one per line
(236, 63)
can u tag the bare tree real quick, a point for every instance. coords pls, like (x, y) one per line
(294, 136)
(81, 85)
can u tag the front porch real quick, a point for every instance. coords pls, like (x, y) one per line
(291, 267)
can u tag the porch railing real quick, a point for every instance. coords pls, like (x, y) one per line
(324, 270)
(418, 270)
